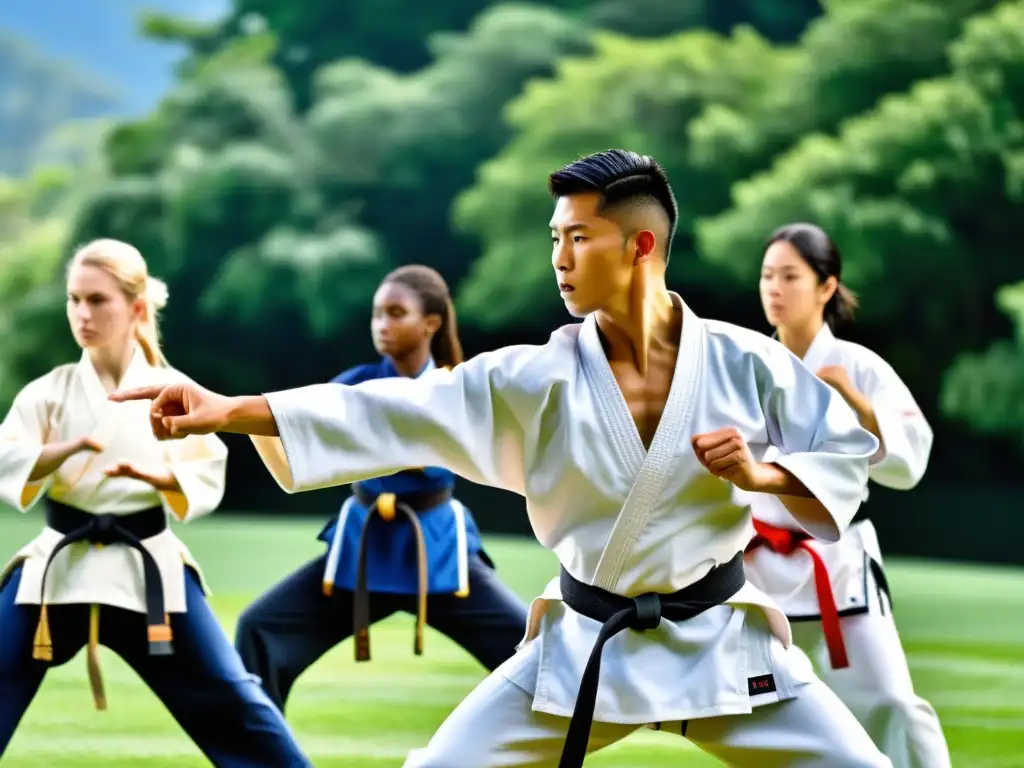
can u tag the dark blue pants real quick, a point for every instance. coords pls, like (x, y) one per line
(203, 684)
(294, 623)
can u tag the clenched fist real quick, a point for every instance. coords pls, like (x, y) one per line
(725, 454)
(180, 410)
(836, 377)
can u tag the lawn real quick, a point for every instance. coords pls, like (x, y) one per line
(962, 626)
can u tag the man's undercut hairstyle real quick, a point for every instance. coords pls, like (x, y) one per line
(624, 179)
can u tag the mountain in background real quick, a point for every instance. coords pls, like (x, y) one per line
(63, 63)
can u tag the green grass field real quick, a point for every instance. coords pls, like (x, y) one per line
(962, 626)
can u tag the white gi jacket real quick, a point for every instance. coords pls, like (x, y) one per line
(899, 463)
(65, 404)
(550, 423)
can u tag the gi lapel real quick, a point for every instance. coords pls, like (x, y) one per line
(817, 354)
(106, 419)
(651, 468)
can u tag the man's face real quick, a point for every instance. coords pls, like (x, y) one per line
(591, 255)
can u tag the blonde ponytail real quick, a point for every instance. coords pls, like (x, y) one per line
(125, 264)
(146, 332)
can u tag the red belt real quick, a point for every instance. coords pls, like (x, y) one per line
(786, 542)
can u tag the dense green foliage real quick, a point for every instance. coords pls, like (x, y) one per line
(309, 148)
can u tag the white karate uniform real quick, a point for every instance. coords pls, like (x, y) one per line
(550, 423)
(876, 685)
(65, 404)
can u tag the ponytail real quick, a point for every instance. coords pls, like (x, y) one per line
(841, 307)
(445, 346)
(146, 333)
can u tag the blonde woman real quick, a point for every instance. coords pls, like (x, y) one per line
(106, 569)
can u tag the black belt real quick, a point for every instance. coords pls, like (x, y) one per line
(130, 529)
(387, 505)
(641, 613)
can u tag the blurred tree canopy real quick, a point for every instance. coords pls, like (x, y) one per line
(314, 34)
(632, 93)
(309, 148)
(34, 216)
(987, 388)
(921, 187)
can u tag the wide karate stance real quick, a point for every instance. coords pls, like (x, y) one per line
(836, 594)
(400, 542)
(107, 570)
(627, 434)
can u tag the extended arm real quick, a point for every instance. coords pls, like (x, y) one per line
(330, 434)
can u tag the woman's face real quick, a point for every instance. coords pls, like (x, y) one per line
(399, 326)
(791, 294)
(99, 313)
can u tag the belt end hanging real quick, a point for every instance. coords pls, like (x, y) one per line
(99, 695)
(363, 644)
(42, 645)
(417, 647)
(160, 636)
(837, 654)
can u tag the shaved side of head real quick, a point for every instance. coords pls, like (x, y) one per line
(634, 188)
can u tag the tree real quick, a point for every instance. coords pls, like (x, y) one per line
(310, 196)
(921, 193)
(640, 94)
(317, 33)
(33, 231)
(271, 223)
(846, 60)
(986, 389)
(219, 190)
(710, 127)
(403, 146)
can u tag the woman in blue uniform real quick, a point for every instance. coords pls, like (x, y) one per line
(399, 543)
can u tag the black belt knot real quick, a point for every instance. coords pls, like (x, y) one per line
(77, 525)
(648, 612)
(104, 530)
(386, 505)
(642, 613)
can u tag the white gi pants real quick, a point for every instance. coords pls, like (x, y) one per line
(496, 727)
(877, 686)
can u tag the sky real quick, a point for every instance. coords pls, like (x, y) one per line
(99, 38)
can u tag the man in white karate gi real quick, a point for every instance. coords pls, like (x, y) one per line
(628, 434)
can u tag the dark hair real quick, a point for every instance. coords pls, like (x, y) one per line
(821, 254)
(621, 177)
(433, 294)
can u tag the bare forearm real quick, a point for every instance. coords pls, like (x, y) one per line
(795, 496)
(50, 459)
(865, 411)
(251, 415)
(781, 482)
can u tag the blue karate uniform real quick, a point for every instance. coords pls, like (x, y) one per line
(298, 620)
(450, 532)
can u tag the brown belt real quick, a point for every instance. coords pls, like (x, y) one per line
(387, 505)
